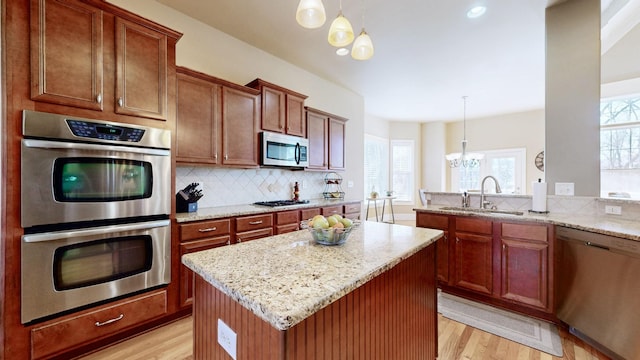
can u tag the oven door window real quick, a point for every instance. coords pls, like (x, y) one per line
(101, 179)
(96, 262)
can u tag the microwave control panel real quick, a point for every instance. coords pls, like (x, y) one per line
(94, 130)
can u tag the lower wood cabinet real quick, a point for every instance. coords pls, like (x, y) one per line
(473, 255)
(59, 336)
(287, 221)
(353, 210)
(253, 227)
(306, 214)
(331, 210)
(507, 263)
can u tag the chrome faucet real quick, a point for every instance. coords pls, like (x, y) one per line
(483, 203)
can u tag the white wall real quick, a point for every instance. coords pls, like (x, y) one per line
(213, 52)
(433, 150)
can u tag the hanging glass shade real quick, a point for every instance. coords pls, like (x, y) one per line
(311, 14)
(341, 32)
(362, 47)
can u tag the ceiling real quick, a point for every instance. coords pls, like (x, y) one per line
(427, 53)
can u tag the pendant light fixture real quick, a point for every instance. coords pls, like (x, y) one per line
(363, 47)
(311, 14)
(341, 32)
(464, 159)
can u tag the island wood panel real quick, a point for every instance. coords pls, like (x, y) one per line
(393, 316)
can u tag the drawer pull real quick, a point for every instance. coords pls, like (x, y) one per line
(98, 323)
(255, 222)
(208, 229)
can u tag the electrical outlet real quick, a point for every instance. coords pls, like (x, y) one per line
(349, 184)
(614, 210)
(564, 189)
(227, 339)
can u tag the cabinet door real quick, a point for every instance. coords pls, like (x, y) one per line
(440, 222)
(141, 71)
(473, 255)
(525, 264)
(306, 214)
(296, 124)
(253, 234)
(240, 119)
(186, 275)
(66, 53)
(317, 133)
(336, 144)
(198, 120)
(331, 210)
(273, 110)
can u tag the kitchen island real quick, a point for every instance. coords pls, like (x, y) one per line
(285, 297)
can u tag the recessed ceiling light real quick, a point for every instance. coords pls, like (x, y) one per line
(476, 11)
(342, 51)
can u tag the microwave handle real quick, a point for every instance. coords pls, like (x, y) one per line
(46, 144)
(297, 154)
(61, 235)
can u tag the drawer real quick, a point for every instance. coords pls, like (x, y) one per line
(287, 217)
(330, 210)
(78, 330)
(474, 225)
(534, 232)
(306, 214)
(204, 229)
(253, 234)
(283, 229)
(352, 208)
(246, 223)
(440, 222)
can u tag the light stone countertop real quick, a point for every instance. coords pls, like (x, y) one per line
(284, 279)
(622, 228)
(250, 209)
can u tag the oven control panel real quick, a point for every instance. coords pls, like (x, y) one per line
(93, 130)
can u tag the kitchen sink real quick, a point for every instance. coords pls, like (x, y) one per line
(478, 210)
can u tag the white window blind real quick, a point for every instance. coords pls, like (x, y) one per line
(376, 164)
(403, 170)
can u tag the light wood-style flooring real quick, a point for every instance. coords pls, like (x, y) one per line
(455, 340)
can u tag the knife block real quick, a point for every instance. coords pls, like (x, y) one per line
(183, 205)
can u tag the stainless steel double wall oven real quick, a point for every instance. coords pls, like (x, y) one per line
(95, 205)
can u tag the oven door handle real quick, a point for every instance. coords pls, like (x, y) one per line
(47, 144)
(61, 235)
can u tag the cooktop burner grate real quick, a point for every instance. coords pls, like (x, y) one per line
(281, 202)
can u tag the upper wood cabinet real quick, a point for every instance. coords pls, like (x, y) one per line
(217, 121)
(78, 50)
(326, 134)
(198, 127)
(282, 109)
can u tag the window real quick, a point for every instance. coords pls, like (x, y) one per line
(508, 166)
(620, 147)
(403, 170)
(376, 164)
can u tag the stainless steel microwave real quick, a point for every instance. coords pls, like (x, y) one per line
(284, 150)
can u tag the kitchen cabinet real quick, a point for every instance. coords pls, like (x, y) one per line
(287, 221)
(282, 109)
(440, 222)
(352, 210)
(306, 214)
(253, 227)
(525, 264)
(198, 129)
(55, 337)
(326, 134)
(473, 252)
(217, 121)
(331, 210)
(198, 236)
(78, 51)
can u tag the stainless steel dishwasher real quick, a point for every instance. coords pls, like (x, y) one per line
(598, 289)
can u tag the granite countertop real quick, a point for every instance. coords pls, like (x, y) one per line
(250, 209)
(622, 228)
(284, 279)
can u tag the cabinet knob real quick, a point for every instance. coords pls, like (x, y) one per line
(226, 156)
(457, 239)
(215, 156)
(120, 102)
(504, 247)
(99, 99)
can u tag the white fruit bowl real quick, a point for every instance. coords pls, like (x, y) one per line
(330, 236)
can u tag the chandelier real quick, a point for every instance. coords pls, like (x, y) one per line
(311, 15)
(464, 159)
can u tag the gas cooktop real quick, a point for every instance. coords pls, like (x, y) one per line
(281, 202)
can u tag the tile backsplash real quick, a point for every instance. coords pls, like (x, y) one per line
(224, 186)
